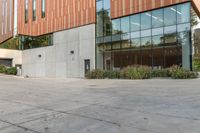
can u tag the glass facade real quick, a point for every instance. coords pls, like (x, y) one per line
(27, 42)
(159, 38)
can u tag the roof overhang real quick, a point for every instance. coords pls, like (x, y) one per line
(196, 6)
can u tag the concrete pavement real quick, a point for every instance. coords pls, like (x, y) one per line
(99, 106)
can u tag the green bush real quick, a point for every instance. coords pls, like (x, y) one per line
(112, 74)
(160, 73)
(196, 65)
(142, 72)
(2, 69)
(11, 71)
(95, 74)
(177, 72)
(136, 72)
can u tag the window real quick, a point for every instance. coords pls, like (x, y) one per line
(135, 22)
(125, 24)
(135, 43)
(157, 18)
(146, 20)
(34, 10)
(106, 4)
(43, 8)
(183, 13)
(146, 42)
(116, 27)
(170, 16)
(100, 23)
(26, 11)
(157, 40)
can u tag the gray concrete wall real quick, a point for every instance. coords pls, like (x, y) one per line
(57, 60)
(15, 55)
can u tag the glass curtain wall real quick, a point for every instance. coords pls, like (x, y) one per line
(159, 38)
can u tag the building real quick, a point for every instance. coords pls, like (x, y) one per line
(67, 38)
(197, 44)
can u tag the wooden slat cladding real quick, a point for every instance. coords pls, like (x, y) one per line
(196, 5)
(6, 19)
(121, 8)
(60, 15)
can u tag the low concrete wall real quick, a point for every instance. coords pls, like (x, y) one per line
(15, 55)
(58, 60)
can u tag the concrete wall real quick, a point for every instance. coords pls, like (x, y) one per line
(57, 60)
(16, 55)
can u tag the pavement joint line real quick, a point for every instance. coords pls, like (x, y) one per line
(16, 125)
(30, 120)
(65, 112)
(83, 116)
(144, 112)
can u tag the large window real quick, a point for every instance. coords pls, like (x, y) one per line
(183, 13)
(26, 11)
(157, 18)
(116, 26)
(43, 8)
(135, 22)
(36, 42)
(158, 38)
(34, 10)
(146, 20)
(170, 16)
(125, 25)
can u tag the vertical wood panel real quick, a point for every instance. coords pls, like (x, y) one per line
(60, 15)
(6, 21)
(118, 9)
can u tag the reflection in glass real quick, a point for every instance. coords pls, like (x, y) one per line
(145, 33)
(135, 22)
(157, 40)
(135, 43)
(157, 31)
(146, 20)
(183, 13)
(107, 23)
(125, 24)
(157, 18)
(116, 26)
(170, 16)
(99, 25)
(106, 4)
(184, 42)
(146, 42)
(116, 45)
(135, 34)
(126, 44)
(99, 5)
(184, 27)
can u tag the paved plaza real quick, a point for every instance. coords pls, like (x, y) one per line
(99, 106)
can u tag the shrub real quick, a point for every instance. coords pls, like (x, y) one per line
(2, 69)
(196, 65)
(11, 71)
(160, 73)
(177, 72)
(95, 74)
(111, 74)
(136, 72)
